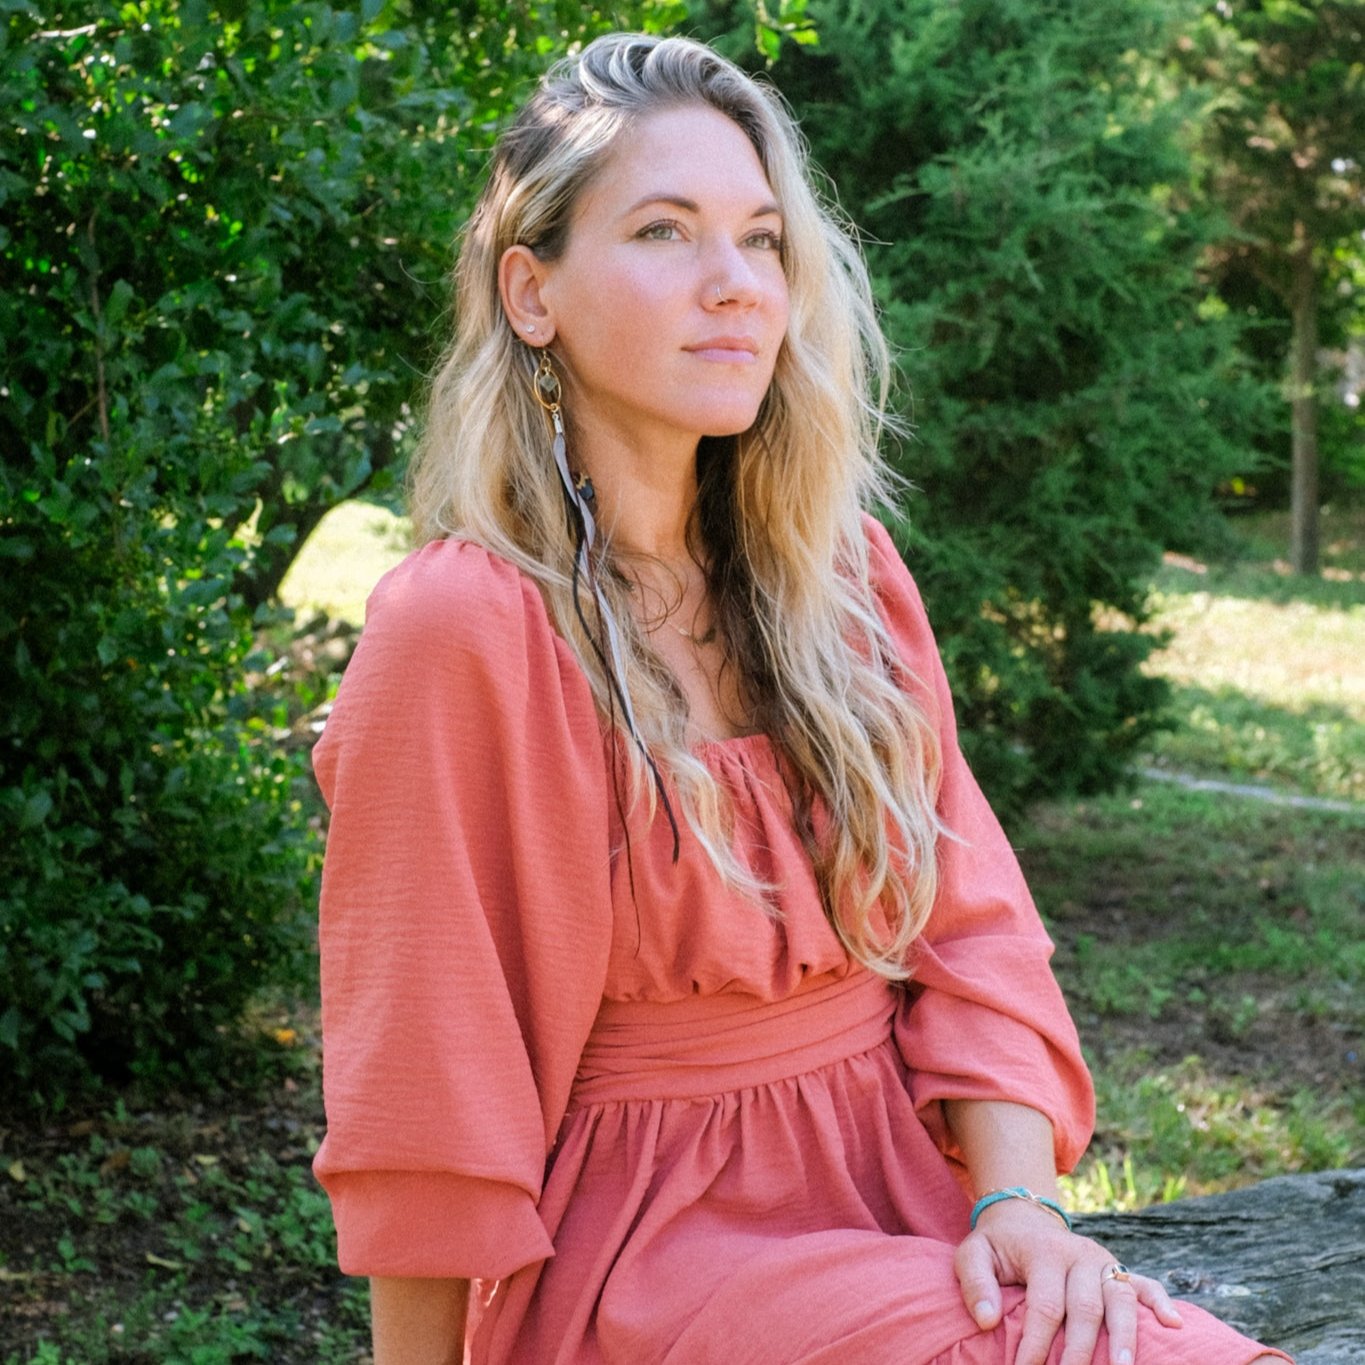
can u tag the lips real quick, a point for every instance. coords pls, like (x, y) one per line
(739, 349)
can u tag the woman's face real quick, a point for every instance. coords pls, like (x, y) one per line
(669, 303)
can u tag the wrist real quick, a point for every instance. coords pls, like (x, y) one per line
(1014, 1195)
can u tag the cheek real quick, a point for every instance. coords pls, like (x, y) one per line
(781, 317)
(782, 310)
(633, 274)
(615, 309)
(778, 297)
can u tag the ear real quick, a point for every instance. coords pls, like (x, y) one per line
(521, 275)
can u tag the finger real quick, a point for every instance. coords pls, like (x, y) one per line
(1045, 1307)
(975, 1266)
(1120, 1320)
(1085, 1311)
(1153, 1294)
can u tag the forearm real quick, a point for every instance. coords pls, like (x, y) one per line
(1004, 1144)
(418, 1322)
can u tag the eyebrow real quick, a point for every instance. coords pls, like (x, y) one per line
(691, 206)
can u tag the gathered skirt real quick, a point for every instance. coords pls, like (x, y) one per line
(748, 1183)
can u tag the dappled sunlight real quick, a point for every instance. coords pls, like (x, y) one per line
(354, 546)
(1191, 1129)
(1268, 670)
(1286, 653)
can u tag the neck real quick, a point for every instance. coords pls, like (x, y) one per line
(645, 497)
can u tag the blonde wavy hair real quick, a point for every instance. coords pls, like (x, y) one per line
(779, 511)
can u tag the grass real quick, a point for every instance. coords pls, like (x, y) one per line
(192, 1233)
(1213, 953)
(1212, 949)
(1266, 667)
(175, 1236)
(352, 547)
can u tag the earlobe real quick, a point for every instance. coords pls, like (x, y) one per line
(521, 275)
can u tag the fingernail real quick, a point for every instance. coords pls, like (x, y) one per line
(1125, 1357)
(983, 1312)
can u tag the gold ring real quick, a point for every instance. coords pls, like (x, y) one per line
(1115, 1270)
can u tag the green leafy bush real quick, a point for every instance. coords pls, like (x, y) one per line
(168, 379)
(155, 863)
(223, 230)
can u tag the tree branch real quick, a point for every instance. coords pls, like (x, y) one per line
(101, 388)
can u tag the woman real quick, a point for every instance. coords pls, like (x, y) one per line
(680, 989)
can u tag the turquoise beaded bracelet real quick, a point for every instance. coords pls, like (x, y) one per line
(1019, 1192)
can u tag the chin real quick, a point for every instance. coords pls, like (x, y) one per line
(732, 423)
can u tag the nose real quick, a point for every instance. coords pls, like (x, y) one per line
(731, 281)
(732, 289)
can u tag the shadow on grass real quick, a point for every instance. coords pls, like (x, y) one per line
(1253, 563)
(1212, 951)
(1259, 582)
(1316, 749)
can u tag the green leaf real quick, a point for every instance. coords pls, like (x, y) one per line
(116, 305)
(37, 808)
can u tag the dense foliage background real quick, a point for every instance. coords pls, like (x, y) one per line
(1076, 395)
(224, 232)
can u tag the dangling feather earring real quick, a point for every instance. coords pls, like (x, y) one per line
(580, 498)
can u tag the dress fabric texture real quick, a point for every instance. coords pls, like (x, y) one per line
(653, 1122)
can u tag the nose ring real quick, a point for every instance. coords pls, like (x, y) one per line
(720, 297)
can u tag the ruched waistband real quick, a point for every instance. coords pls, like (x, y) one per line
(706, 1045)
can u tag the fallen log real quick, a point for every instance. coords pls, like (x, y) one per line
(1282, 1261)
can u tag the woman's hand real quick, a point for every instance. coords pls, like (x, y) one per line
(1063, 1277)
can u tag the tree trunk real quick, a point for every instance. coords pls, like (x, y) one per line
(1282, 1261)
(1303, 547)
(260, 583)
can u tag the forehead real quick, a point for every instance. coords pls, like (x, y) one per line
(691, 152)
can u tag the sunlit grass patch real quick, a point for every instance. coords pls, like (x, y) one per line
(352, 548)
(1286, 653)
(1166, 1133)
(1268, 668)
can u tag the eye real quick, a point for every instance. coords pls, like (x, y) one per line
(766, 240)
(665, 230)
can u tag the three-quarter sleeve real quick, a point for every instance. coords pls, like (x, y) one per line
(465, 918)
(983, 1017)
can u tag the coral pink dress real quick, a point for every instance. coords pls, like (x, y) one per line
(659, 1127)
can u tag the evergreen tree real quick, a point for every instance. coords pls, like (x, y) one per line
(1016, 169)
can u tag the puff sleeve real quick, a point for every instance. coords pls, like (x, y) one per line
(984, 1017)
(465, 917)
